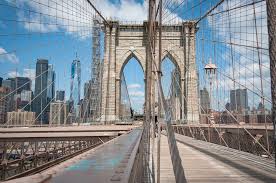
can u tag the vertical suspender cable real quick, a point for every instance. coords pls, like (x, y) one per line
(271, 23)
(261, 76)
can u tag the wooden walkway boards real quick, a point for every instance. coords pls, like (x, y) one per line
(166, 168)
(209, 163)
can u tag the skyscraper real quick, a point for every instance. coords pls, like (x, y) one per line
(238, 99)
(18, 83)
(175, 82)
(50, 82)
(22, 83)
(21, 117)
(228, 106)
(204, 101)
(40, 96)
(3, 104)
(60, 95)
(261, 107)
(75, 83)
(58, 112)
(25, 100)
(175, 99)
(50, 90)
(10, 84)
(86, 102)
(86, 89)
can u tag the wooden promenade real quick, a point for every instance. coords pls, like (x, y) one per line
(209, 163)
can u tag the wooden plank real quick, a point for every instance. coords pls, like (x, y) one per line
(166, 167)
(201, 166)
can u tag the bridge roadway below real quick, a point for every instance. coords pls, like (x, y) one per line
(110, 162)
(81, 128)
(205, 162)
(17, 134)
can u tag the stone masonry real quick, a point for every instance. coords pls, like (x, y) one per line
(125, 41)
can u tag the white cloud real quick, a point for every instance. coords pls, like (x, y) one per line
(136, 94)
(13, 74)
(127, 10)
(137, 103)
(36, 26)
(134, 86)
(137, 100)
(8, 57)
(59, 16)
(30, 73)
(56, 16)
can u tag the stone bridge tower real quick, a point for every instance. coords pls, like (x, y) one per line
(125, 41)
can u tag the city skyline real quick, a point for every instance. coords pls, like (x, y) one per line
(21, 62)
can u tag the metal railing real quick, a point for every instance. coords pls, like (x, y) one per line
(25, 157)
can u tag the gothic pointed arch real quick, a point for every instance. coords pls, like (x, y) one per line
(129, 55)
(174, 58)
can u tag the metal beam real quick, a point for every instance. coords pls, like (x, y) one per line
(89, 2)
(208, 12)
(36, 137)
(92, 128)
(271, 23)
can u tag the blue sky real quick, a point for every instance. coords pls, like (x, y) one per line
(134, 76)
(21, 43)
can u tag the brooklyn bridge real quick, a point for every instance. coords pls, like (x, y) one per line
(138, 91)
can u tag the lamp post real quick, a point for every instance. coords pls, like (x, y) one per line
(210, 71)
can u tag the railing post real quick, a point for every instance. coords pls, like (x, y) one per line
(271, 23)
(35, 154)
(4, 162)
